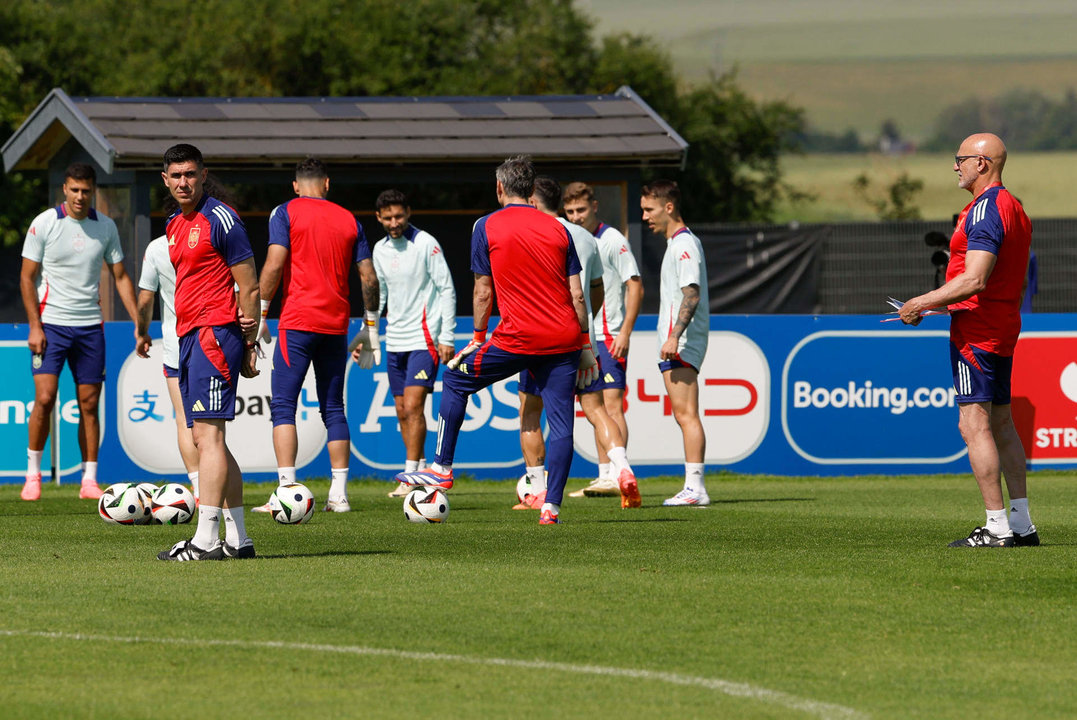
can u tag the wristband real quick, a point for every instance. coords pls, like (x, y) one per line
(265, 308)
(371, 317)
(479, 336)
(252, 344)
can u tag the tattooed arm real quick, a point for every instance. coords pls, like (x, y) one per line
(689, 303)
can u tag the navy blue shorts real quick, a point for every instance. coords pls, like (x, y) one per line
(613, 372)
(82, 347)
(984, 378)
(210, 360)
(414, 367)
(664, 365)
(295, 352)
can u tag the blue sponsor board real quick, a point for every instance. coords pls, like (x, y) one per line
(840, 395)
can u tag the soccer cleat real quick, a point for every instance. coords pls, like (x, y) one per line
(549, 517)
(629, 490)
(185, 550)
(31, 489)
(1029, 539)
(689, 497)
(267, 508)
(426, 478)
(400, 490)
(90, 490)
(982, 537)
(340, 505)
(531, 502)
(243, 552)
(602, 487)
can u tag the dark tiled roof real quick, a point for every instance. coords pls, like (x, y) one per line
(251, 132)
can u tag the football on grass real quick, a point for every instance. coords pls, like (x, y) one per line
(172, 504)
(121, 504)
(426, 505)
(292, 504)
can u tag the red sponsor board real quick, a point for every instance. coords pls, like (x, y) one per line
(1045, 395)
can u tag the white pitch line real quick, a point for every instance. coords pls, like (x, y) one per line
(825, 711)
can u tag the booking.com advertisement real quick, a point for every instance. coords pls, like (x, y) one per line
(783, 395)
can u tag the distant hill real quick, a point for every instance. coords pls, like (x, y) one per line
(857, 64)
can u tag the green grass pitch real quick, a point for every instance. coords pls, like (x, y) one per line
(788, 598)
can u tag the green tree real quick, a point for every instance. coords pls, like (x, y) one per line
(898, 199)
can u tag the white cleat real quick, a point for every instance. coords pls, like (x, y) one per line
(401, 490)
(689, 497)
(599, 487)
(340, 505)
(267, 508)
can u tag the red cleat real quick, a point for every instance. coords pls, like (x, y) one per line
(90, 491)
(629, 490)
(31, 490)
(531, 502)
(548, 517)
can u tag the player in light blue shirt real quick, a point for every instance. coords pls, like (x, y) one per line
(418, 290)
(158, 279)
(683, 327)
(61, 273)
(608, 437)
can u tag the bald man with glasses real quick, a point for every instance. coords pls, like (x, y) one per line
(984, 284)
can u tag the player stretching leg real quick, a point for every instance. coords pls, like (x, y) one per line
(528, 258)
(158, 276)
(608, 438)
(209, 248)
(683, 328)
(59, 282)
(418, 289)
(612, 323)
(312, 244)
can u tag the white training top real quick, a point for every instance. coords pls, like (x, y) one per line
(619, 267)
(159, 276)
(590, 266)
(683, 265)
(416, 284)
(70, 252)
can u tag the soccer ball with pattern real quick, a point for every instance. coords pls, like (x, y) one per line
(292, 504)
(172, 504)
(146, 490)
(523, 487)
(426, 505)
(122, 504)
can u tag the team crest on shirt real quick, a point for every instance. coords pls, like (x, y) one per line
(192, 237)
(79, 243)
(171, 240)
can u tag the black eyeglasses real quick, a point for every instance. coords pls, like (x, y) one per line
(958, 159)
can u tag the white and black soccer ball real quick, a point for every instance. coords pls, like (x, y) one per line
(523, 487)
(292, 504)
(426, 505)
(172, 504)
(146, 490)
(122, 504)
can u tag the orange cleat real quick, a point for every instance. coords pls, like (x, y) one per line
(629, 490)
(531, 502)
(548, 517)
(31, 490)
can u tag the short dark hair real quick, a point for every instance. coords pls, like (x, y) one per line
(80, 171)
(578, 191)
(517, 176)
(391, 197)
(182, 153)
(664, 190)
(548, 192)
(311, 169)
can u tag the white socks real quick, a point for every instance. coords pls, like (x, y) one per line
(209, 527)
(338, 488)
(33, 461)
(285, 475)
(997, 524)
(193, 477)
(693, 477)
(89, 472)
(604, 470)
(555, 509)
(411, 465)
(1020, 522)
(235, 530)
(440, 469)
(537, 474)
(619, 461)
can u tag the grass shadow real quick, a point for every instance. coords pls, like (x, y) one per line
(734, 501)
(327, 553)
